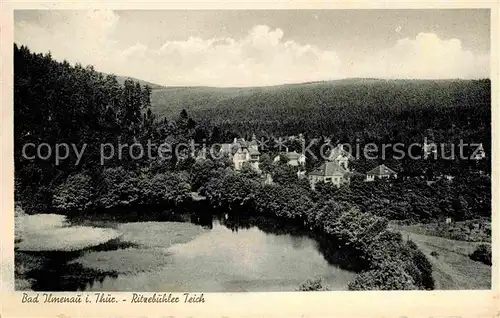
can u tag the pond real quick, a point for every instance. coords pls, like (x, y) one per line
(158, 256)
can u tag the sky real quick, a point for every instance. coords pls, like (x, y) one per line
(264, 47)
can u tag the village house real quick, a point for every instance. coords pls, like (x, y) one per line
(242, 151)
(340, 156)
(381, 172)
(334, 170)
(329, 172)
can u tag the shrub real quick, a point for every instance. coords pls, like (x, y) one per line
(389, 247)
(201, 172)
(163, 189)
(231, 190)
(290, 202)
(75, 194)
(434, 254)
(482, 254)
(284, 174)
(424, 277)
(317, 284)
(391, 276)
(117, 188)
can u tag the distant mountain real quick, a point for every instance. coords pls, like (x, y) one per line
(121, 80)
(249, 103)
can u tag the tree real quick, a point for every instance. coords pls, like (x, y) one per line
(75, 194)
(117, 188)
(390, 277)
(289, 202)
(201, 172)
(460, 208)
(284, 174)
(266, 163)
(482, 254)
(249, 172)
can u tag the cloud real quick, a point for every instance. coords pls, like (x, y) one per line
(262, 56)
(259, 58)
(425, 57)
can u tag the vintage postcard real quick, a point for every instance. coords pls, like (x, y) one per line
(249, 160)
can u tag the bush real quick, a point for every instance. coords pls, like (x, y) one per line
(390, 248)
(231, 190)
(389, 277)
(121, 188)
(289, 202)
(482, 254)
(75, 194)
(201, 172)
(117, 188)
(424, 277)
(163, 189)
(314, 285)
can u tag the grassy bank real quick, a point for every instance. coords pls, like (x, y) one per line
(478, 230)
(452, 266)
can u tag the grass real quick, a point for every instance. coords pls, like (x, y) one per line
(47, 232)
(470, 230)
(125, 261)
(66, 239)
(38, 222)
(452, 267)
(150, 240)
(159, 234)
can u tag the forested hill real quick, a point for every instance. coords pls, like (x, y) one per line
(330, 107)
(121, 80)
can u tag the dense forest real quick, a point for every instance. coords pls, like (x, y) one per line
(353, 111)
(366, 109)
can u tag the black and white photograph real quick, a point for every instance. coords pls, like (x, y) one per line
(230, 151)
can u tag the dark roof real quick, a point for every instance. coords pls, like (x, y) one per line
(329, 168)
(381, 170)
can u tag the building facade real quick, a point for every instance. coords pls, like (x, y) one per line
(334, 170)
(381, 172)
(242, 151)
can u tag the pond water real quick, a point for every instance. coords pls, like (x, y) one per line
(222, 256)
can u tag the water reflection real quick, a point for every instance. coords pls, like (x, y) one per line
(233, 254)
